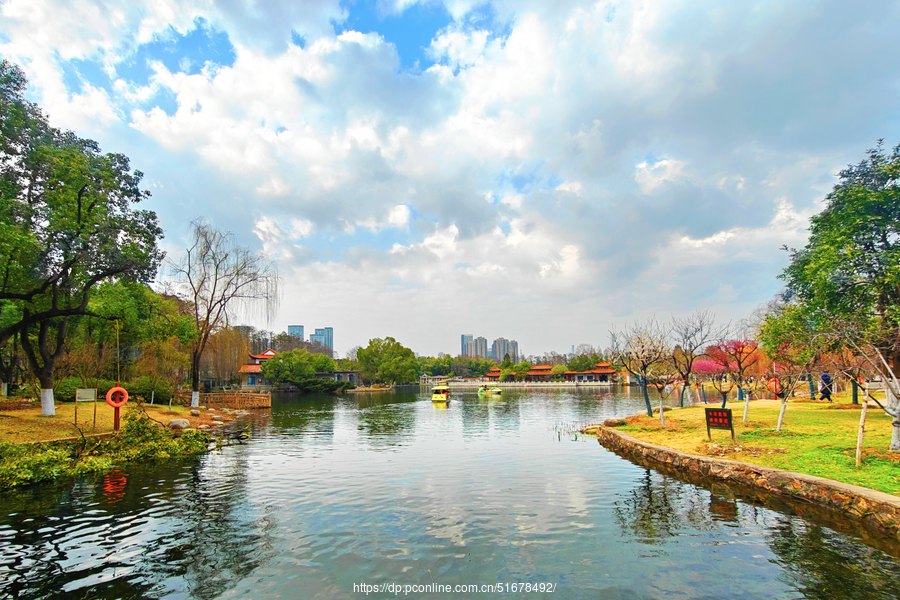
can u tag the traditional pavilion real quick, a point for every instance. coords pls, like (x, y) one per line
(251, 373)
(602, 371)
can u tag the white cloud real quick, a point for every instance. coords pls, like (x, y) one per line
(339, 135)
(650, 177)
(572, 187)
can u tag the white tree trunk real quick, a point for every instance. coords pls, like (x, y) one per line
(862, 431)
(781, 414)
(48, 408)
(195, 399)
(894, 410)
(746, 406)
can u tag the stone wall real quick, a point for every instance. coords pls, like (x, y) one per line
(875, 509)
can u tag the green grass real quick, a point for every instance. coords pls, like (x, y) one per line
(816, 439)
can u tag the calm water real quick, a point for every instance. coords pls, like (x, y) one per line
(332, 492)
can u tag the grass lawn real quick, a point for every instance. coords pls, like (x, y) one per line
(817, 438)
(23, 426)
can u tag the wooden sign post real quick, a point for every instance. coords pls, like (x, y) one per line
(719, 418)
(85, 395)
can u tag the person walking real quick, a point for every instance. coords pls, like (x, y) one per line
(827, 382)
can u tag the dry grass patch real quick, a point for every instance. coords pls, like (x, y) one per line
(27, 425)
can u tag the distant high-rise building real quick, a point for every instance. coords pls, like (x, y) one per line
(465, 338)
(514, 350)
(477, 348)
(324, 336)
(500, 348)
(296, 331)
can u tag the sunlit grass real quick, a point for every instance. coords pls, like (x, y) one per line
(817, 438)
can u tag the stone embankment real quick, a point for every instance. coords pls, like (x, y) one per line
(875, 509)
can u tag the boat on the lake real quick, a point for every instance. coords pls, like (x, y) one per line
(486, 391)
(440, 393)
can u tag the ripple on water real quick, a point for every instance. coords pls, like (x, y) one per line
(328, 493)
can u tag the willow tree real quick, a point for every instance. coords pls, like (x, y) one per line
(220, 280)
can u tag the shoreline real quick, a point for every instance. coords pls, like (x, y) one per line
(876, 510)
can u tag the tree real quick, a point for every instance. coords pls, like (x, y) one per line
(790, 340)
(737, 356)
(66, 224)
(691, 334)
(219, 280)
(643, 350)
(387, 360)
(584, 362)
(847, 277)
(296, 366)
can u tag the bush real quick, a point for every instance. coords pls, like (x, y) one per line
(65, 388)
(139, 440)
(145, 386)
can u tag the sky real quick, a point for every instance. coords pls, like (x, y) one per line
(540, 171)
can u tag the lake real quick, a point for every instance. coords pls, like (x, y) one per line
(335, 495)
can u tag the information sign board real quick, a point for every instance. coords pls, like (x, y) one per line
(87, 395)
(719, 418)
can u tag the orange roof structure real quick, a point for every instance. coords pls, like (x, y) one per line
(265, 355)
(250, 369)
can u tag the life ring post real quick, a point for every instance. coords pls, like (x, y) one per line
(116, 403)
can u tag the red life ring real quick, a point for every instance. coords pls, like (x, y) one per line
(775, 385)
(123, 395)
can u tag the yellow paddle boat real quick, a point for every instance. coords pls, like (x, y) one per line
(440, 393)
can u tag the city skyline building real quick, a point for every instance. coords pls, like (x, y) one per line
(324, 336)
(296, 331)
(477, 348)
(472, 347)
(465, 339)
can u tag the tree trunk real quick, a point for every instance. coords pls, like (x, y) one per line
(781, 414)
(812, 388)
(646, 398)
(892, 403)
(855, 391)
(746, 406)
(48, 406)
(681, 399)
(195, 371)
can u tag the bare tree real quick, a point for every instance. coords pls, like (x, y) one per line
(221, 280)
(643, 350)
(690, 335)
(876, 351)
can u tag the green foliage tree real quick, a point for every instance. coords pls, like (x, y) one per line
(789, 338)
(66, 224)
(387, 361)
(296, 366)
(583, 362)
(847, 277)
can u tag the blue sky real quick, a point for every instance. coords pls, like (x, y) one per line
(540, 171)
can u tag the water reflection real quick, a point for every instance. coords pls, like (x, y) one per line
(823, 564)
(334, 490)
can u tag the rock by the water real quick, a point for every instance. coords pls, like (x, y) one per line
(195, 413)
(217, 418)
(613, 422)
(179, 424)
(203, 427)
